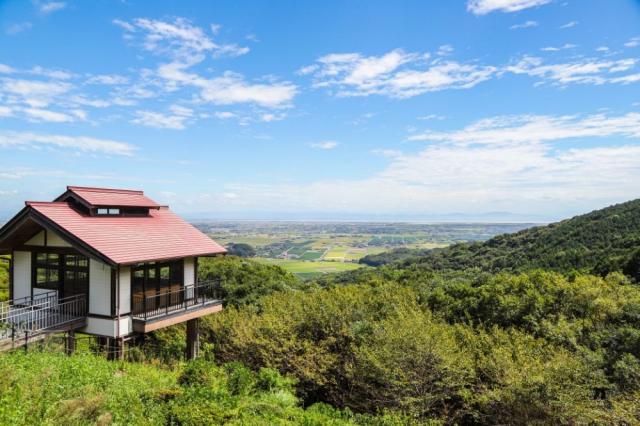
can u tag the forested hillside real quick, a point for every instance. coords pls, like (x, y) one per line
(599, 242)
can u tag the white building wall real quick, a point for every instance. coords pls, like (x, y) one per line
(21, 274)
(37, 240)
(52, 240)
(99, 288)
(125, 290)
(189, 271)
(108, 327)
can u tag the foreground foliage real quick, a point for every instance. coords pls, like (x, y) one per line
(55, 389)
(520, 349)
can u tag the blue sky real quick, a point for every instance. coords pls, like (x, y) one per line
(326, 110)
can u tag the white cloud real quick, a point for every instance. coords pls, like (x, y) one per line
(570, 24)
(179, 38)
(108, 79)
(53, 74)
(35, 93)
(583, 71)
(17, 28)
(52, 6)
(231, 88)
(482, 7)
(526, 24)
(175, 121)
(444, 50)
(558, 48)
(269, 117)
(326, 145)
(432, 117)
(633, 42)
(38, 114)
(395, 74)
(516, 164)
(6, 69)
(524, 129)
(77, 143)
(224, 115)
(5, 111)
(187, 45)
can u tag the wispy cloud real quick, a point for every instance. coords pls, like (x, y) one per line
(497, 163)
(325, 145)
(178, 38)
(186, 46)
(395, 74)
(175, 120)
(558, 48)
(482, 7)
(509, 130)
(51, 6)
(582, 71)
(75, 143)
(570, 24)
(35, 93)
(633, 42)
(108, 79)
(526, 24)
(18, 28)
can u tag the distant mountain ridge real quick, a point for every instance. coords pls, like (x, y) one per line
(601, 241)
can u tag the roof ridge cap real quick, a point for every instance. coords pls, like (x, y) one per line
(96, 189)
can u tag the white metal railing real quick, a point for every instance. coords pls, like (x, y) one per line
(30, 316)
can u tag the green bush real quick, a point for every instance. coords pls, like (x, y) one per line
(245, 281)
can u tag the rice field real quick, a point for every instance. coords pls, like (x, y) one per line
(305, 269)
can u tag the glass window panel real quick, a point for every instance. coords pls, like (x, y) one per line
(53, 260)
(103, 211)
(83, 262)
(82, 276)
(114, 211)
(53, 275)
(165, 273)
(41, 275)
(41, 257)
(151, 273)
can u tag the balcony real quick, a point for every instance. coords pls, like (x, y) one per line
(30, 317)
(176, 306)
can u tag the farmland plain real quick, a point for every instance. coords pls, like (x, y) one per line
(312, 248)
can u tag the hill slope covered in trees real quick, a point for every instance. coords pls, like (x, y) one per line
(601, 241)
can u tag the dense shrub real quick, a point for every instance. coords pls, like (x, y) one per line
(526, 349)
(52, 389)
(245, 281)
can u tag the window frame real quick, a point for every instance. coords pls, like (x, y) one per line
(37, 264)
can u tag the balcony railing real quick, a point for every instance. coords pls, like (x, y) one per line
(174, 301)
(30, 316)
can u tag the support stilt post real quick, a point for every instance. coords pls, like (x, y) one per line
(116, 349)
(193, 339)
(70, 343)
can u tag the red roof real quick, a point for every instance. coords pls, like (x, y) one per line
(96, 197)
(131, 239)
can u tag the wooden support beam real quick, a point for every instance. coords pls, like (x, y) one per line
(70, 343)
(193, 339)
(116, 349)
